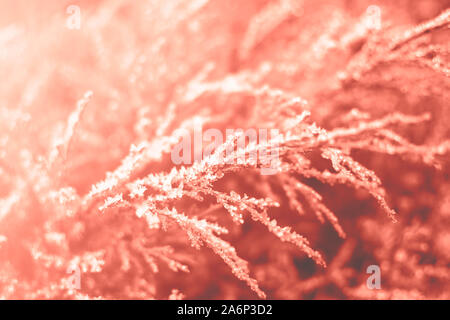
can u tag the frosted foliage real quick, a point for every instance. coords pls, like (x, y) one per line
(332, 143)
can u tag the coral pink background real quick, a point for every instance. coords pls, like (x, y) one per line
(101, 102)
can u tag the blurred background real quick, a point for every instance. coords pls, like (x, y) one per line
(139, 58)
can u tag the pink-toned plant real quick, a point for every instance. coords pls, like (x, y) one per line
(87, 132)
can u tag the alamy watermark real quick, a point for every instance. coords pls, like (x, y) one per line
(374, 281)
(74, 280)
(259, 148)
(373, 17)
(73, 21)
